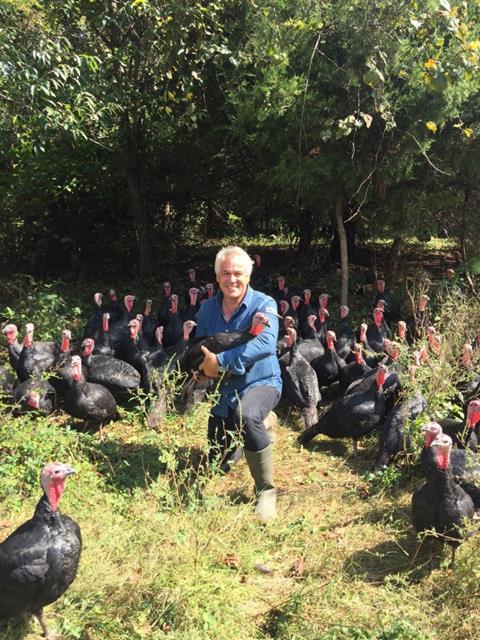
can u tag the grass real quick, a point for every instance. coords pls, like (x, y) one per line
(170, 552)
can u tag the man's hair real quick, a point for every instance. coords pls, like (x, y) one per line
(237, 252)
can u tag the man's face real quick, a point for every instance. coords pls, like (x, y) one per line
(232, 280)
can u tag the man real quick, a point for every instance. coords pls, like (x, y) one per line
(252, 383)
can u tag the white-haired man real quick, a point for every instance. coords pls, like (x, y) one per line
(253, 386)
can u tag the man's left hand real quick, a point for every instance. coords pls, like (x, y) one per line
(209, 366)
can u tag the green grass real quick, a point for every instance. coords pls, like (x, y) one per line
(170, 552)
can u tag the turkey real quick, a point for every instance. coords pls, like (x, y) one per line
(394, 433)
(377, 332)
(345, 335)
(10, 332)
(93, 327)
(348, 373)
(88, 401)
(221, 341)
(102, 347)
(360, 411)
(465, 466)
(118, 376)
(392, 308)
(327, 367)
(259, 277)
(118, 332)
(193, 305)
(39, 560)
(162, 317)
(300, 384)
(149, 325)
(281, 293)
(463, 432)
(35, 395)
(441, 504)
(32, 361)
(61, 377)
(173, 330)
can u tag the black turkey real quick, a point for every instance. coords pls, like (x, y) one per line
(441, 504)
(39, 560)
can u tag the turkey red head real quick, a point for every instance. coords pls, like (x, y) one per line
(98, 299)
(173, 308)
(363, 332)
(65, 344)
(307, 294)
(473, 413)
(295, 302)
(323, 300)
(311, 320)
(112, 295)
(424, 356)
(381, 376)
(139, 317)
(210, 289)
(76, 365)
(34, 400)
(10, 332)
(159, 335)
(52, 480)
(381, 304)
(259, 322)
(88, 345)
(290, 337)
(442, 446)
(422, 304)
(134, 326)
(28, 337)
(322, 314)
(258, 260)
(431, 431)
(467, 354)
(129, 301)
(402, 329)
(188, 327)
(344, 311)
(193, 295)
(148, 307)
(381, 285)
(437, 343)
(284, 307)
(105, 321)
(357, 352)
(167, 289)
(281, 283)
(191, 274)
(289, 322)
(378, 316)
(330, 338)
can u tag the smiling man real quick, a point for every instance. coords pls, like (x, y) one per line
(252, 383)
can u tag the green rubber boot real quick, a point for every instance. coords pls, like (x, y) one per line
(260, 464)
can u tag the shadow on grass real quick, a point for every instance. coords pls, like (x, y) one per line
(16, 629)
(405, 558)
(127, 466)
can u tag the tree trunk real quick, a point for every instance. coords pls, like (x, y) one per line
(395, 251)
(136, 195)
(342, 237)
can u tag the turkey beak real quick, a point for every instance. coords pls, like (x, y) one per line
(68, 470)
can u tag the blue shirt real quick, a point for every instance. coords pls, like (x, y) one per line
(251, 364)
